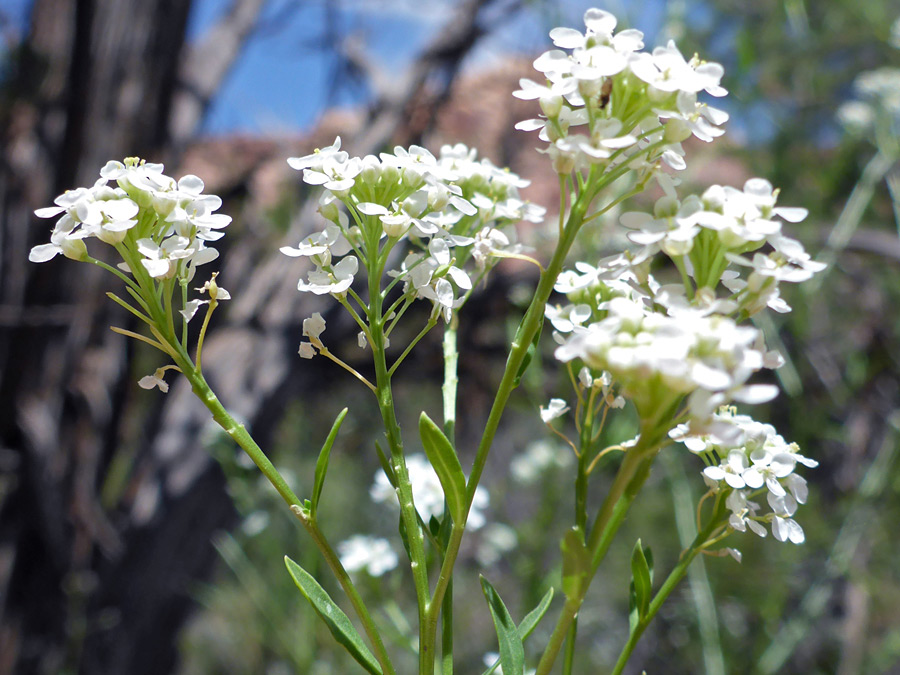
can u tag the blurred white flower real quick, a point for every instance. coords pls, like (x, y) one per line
(427, 492)
(363, 552)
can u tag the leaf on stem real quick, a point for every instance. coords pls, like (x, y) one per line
(337, 622)
(641, 584)
(512, 653)
(529, 623)
(442, 456)
(322, 462)
(386, 465)
(531, 620)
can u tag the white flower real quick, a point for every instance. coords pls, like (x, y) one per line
(334, 174)
(161, 261)
(667, 71)
(556, 408)
(73, 249)
(314, 326)
(335, 282)
(216, 293)
(319, 155)
(363, 552)
(154, 380)
(321, 246)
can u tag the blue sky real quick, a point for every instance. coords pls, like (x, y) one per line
(281, 81)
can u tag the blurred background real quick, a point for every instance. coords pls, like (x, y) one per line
(134, 539)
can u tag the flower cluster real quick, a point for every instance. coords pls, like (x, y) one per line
(449, 208)
(707, 232)
(606, 102)
(746, 458)
(163, 225)
(656, 358)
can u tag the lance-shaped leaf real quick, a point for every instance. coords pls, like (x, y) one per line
(641, 583)
(337, 622)
(322, 462)
(529, 623)
(442, 456)
(512, 653)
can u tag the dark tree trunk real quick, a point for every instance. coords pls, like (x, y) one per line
(86, 573)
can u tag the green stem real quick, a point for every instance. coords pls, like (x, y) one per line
(632, 474)
(451, 377)
(408, 513)
(528, 328)
(445, 588)
(240, 436)
(569, 655)
(447, 631)
(675, 576)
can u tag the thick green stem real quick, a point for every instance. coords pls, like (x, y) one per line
(447, 631)
(569, 655)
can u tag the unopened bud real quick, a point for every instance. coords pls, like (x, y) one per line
(74, 249)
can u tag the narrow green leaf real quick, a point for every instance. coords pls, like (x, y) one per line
(576, 562)
(643, 585)
(531, 620)
(322, 462)
(529, 623)
(512, 653)
(442, 456)
(337, 622)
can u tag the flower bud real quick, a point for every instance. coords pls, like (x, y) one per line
(395, 225)
(551, 105)
(390, 175)
(677, 131)
(328, 207)
(74, 249)
(371, 172)
(438, 197)
(322, 259)
(412, 178)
